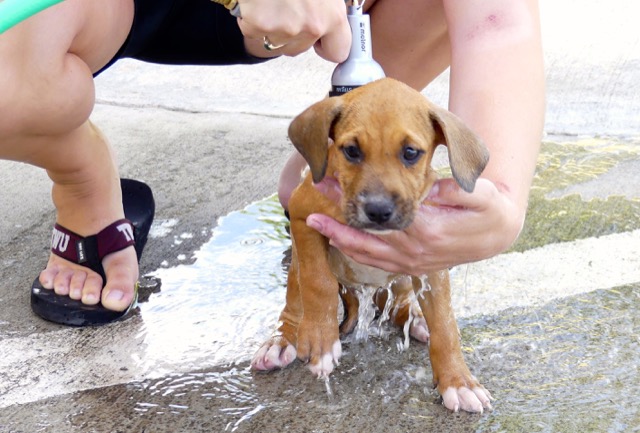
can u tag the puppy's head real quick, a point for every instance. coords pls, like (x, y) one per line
(384, 135)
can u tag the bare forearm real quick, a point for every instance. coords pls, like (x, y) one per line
(497, 86)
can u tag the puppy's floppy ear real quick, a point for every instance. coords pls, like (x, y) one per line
(468, 156)
(310, 132)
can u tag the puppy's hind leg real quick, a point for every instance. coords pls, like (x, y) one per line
(351, 304)
(405, 307)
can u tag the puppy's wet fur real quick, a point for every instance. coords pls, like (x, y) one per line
(383, 138)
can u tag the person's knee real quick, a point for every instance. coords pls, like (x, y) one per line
(47, 88)
(39, 107)
(290, 177)
(37, 102)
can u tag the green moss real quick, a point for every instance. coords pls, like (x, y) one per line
(571, 217)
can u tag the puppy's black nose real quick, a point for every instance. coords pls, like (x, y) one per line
(379, 211)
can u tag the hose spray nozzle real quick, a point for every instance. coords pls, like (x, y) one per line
(360, 67)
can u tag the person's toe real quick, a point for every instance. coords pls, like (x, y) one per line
(121, 269)
(77, 283)
(48, 275)
(90, 292)
(61, 281)
(117, 299)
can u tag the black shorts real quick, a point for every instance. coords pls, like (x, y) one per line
(184, 32)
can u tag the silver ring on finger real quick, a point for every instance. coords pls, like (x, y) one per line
(269, 46)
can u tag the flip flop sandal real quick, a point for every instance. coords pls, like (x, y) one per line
(139, 208)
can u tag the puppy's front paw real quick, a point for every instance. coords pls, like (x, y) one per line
(320, 346)
(324, 366)
(275, 353)
(471, 399)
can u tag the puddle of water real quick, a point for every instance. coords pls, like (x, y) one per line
(571, 366)
(220, 308)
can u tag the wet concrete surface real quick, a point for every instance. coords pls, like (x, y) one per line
(549, 327)
(569, 366)
(188, 371)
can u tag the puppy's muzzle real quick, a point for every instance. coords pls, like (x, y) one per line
(379, 211)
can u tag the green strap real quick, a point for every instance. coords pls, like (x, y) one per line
(14, 11)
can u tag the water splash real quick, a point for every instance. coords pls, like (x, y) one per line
(246, 417)
(403, 345)
(426, 286)
(367, 310)
(327, 385)
(386, 311)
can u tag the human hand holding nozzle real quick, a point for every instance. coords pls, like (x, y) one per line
(291, 27)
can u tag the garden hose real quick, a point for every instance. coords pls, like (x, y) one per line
(13, 12)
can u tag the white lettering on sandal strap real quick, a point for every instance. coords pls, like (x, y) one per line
(59, 240)
(80, 251)
(126, 229)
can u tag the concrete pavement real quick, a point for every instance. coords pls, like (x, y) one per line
(211, 141)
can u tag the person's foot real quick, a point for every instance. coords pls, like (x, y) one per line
(86, 208)
(81, 283)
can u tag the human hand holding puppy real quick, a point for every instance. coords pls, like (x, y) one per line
(451, 228)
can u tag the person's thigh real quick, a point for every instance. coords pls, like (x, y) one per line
(46, 69)
(410, 39)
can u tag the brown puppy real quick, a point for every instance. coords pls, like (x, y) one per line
(384, 135)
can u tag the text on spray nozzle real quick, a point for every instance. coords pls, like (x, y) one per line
(359, 68)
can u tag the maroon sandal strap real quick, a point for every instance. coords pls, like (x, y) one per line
(77, 249)
(115, 237)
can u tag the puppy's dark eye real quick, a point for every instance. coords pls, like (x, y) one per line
(353, 153)
(410, 155)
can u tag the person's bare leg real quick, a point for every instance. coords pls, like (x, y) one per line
(87, 196)
(290, 177)
(409, 39)
(46, 77)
